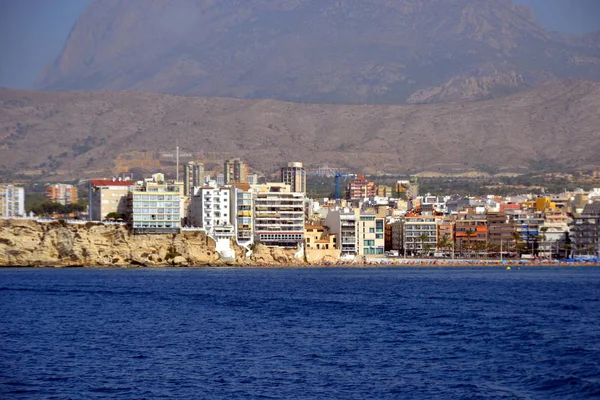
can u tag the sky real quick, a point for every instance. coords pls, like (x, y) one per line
(33, 32)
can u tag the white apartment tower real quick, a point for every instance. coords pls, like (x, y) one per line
(278, 215)
(12, 201)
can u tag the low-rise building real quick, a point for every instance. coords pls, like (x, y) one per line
(320, 244)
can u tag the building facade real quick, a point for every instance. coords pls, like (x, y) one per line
(242, 205)
(235, 170)
(360, 188)
(585, 231)
(12, 201)
(278, 216)
(420, 234)
(371, 233)
(210, 208)
(343, 223)
(295, 176)
(156, 206)
(193, 176)
(62, 193)
(108, 196)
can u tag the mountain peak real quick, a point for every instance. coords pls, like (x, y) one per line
(349, 51)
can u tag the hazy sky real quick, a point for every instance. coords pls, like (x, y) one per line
(32, 32)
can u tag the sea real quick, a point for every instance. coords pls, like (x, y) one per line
(306, 333)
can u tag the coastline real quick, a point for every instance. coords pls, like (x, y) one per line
(411, 264)
(26, 243)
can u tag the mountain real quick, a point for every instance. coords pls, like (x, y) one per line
(98, 134)
(329, 51)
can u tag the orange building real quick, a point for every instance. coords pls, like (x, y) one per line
(360, 188)
(62, 193)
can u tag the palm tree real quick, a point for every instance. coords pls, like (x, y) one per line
(516, 236)
(424, 238)
(444, 243)
(543, 231)
(470, 233)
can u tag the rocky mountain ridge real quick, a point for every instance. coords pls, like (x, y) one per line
(62, 136)
(328, 51)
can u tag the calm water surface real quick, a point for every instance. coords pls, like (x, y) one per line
(385, 333)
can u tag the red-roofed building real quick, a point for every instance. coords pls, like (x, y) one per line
(108, 196)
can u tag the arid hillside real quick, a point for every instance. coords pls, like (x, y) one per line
(326, 51)
(99, 134)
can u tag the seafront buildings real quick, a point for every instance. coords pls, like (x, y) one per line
(372, 222)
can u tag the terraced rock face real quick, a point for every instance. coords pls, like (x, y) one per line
(328, 51)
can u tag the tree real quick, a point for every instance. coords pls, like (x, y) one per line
(543, 231)
(516, 236)
(114, 216)
(424, 238)
(470, 233)
(445, 243)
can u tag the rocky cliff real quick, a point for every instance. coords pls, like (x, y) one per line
(29, 243)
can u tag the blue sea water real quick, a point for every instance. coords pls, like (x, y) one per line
(333, 333)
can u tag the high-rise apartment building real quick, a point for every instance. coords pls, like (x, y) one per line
(156, 206)
(62, 193)
(242, 201)
(235, 171)
(12, 201)
(278, 216)
(193, 176)
(360, 188)
(295, 176)
(343, 222)
(370, 233)
(210, 208)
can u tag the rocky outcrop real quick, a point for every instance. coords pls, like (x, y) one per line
(29, 243)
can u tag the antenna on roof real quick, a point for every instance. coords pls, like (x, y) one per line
(177, 161)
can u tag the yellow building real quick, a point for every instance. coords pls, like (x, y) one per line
(544, 204)
(320, 244)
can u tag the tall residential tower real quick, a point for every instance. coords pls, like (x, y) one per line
(295, 176)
